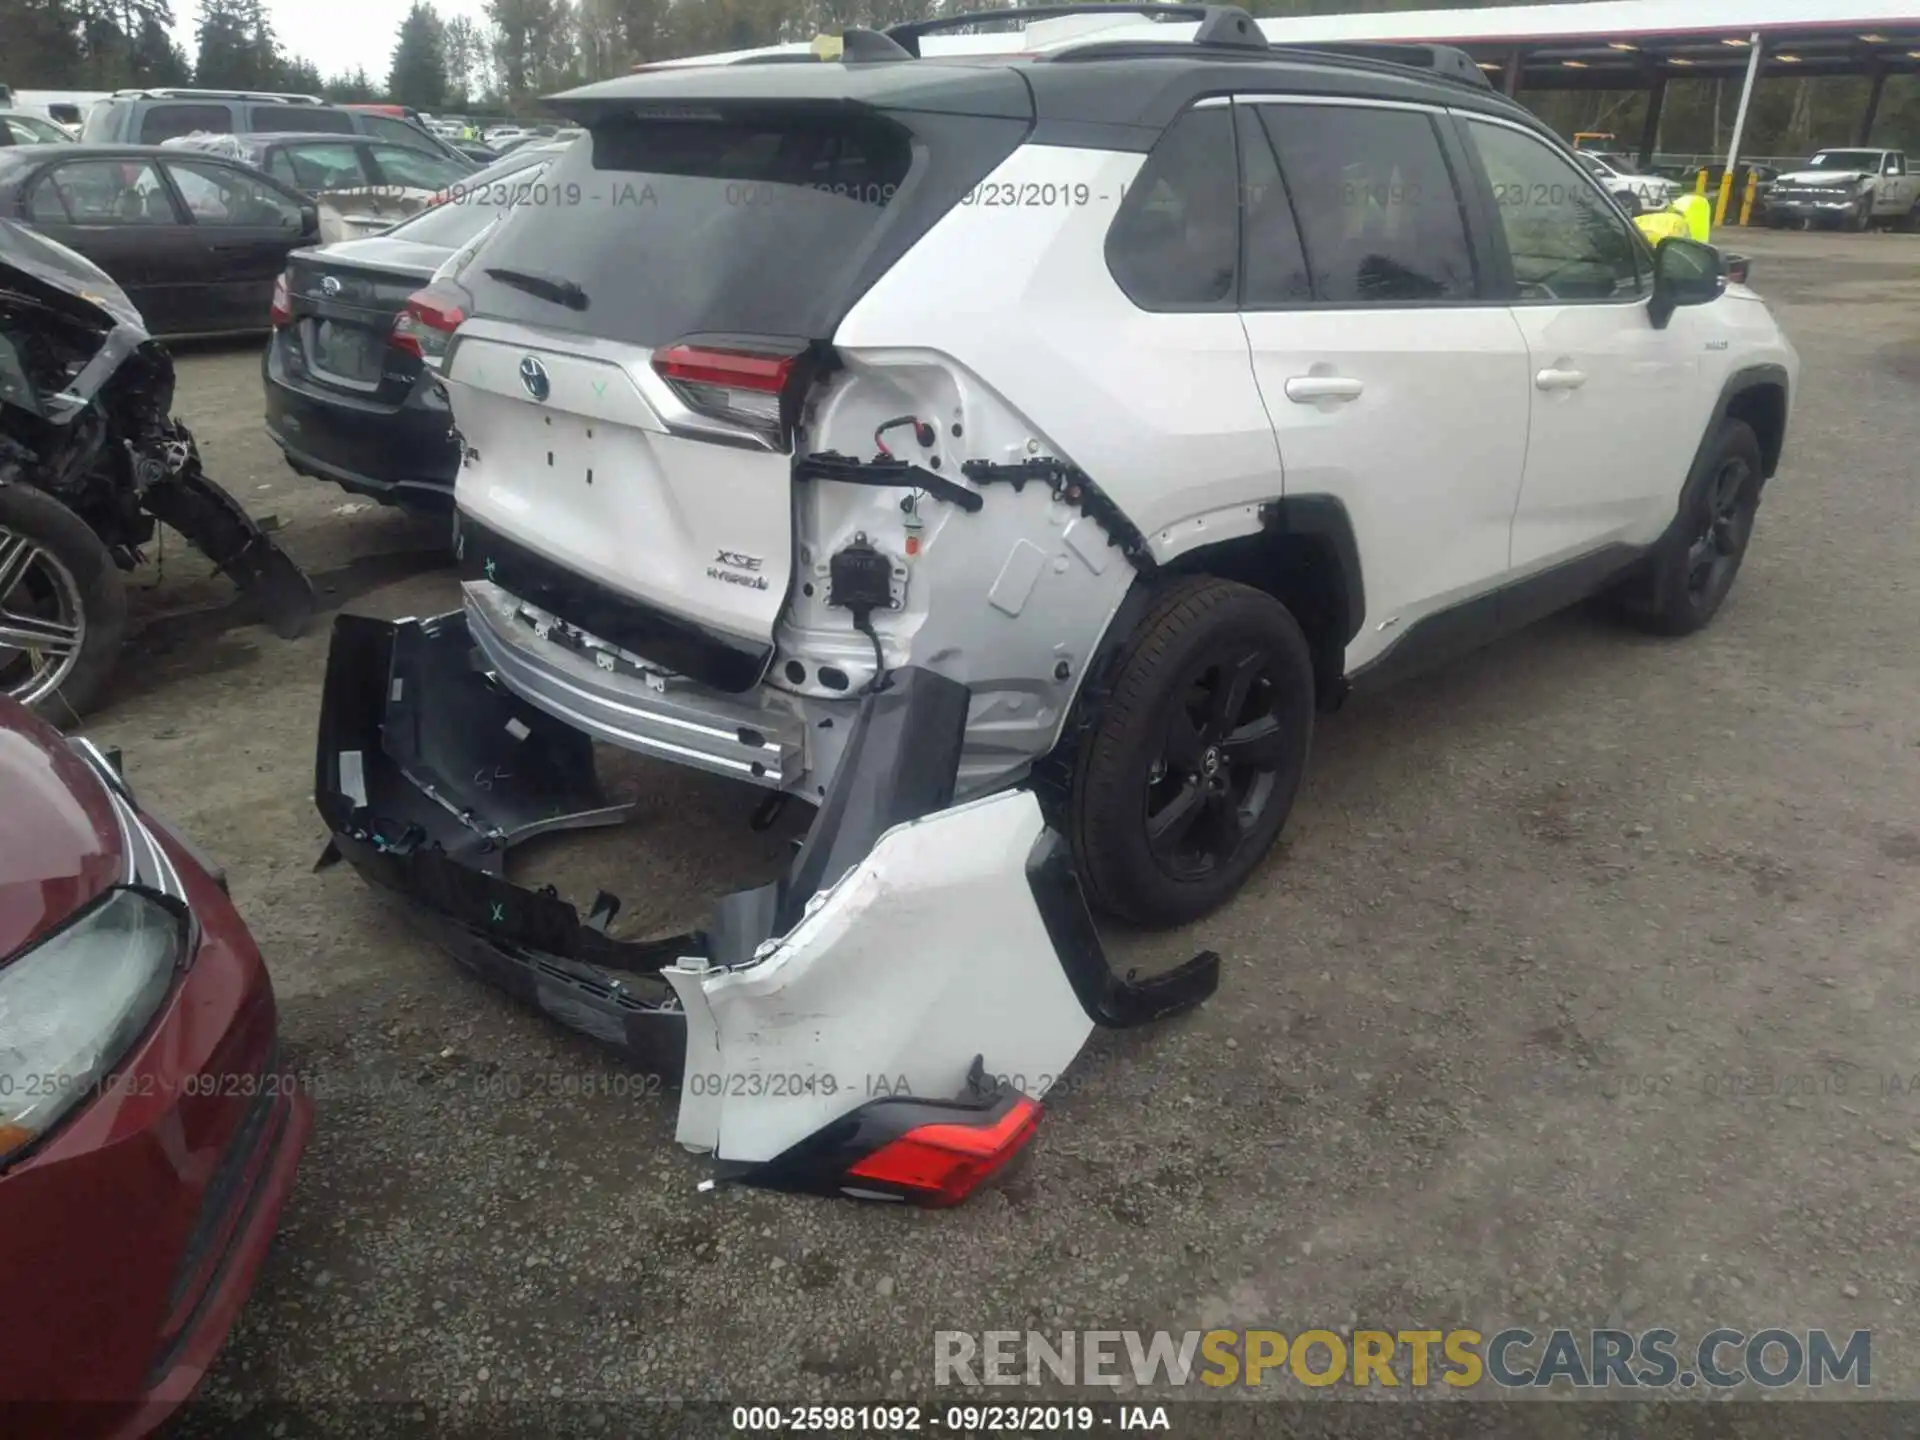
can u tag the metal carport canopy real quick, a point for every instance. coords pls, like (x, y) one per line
(1642, 44)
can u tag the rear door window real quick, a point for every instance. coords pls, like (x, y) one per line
(1276, 260)
(676, 227)
(320, 165)
(44, 205)
(164, 122)
(1175, 240)
(223, 195)
(290, 119)
(111, 192)
(397, 132)
(405, 165)
(1379, 213)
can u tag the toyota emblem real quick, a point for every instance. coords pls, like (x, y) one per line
(533, 375)
(329, 285)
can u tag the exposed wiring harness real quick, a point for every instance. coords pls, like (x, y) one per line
(922, 432)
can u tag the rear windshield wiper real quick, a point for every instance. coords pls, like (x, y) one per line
(558, 289)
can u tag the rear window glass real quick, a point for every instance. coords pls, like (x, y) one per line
(474, 201)
(164, 122)
(301, 119)
(677, 227)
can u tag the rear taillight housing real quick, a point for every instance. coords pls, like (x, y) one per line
(740, 385)
(942, 1163)
(425, 325)
(280, 309)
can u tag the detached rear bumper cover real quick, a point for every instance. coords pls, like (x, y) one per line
(919, 957)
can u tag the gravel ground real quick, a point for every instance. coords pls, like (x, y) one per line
(1581, 989)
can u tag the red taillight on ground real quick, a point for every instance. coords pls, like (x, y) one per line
(943, 1164)
(741, 387)
(280, 311)
(425, 325)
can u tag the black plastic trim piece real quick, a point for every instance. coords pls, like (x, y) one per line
(900, 763)
(1460, 629)
(886, 473)
(1751, 377)
(865, 47)
(426, 775)
(1324, 518)
(1075, 487)
(730, 663)
(819, 1164)
(1114, 1001)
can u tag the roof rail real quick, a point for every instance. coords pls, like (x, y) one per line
(187, 92)
(1219, 24)
(1445, 61)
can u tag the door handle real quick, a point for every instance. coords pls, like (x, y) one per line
(1305, 389)
(1560, 379)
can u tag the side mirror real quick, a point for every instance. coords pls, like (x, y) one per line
(309, 219)
(1685, 272)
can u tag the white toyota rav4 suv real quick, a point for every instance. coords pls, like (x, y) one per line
(1009, 453)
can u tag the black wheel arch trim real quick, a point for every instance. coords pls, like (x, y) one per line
(1324, 517)
(1748, 378)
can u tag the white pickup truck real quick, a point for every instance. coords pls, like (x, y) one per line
(1852, 188)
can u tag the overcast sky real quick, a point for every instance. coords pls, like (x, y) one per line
(336, 35)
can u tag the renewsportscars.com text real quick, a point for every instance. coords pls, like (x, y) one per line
(1510, 1359)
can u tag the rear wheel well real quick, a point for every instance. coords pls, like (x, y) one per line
(1304, 572)
(1764, 409)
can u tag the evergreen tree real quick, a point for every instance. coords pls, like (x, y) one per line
(419, 74)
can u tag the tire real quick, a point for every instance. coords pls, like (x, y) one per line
(1861, 219)
(1177, 794)
(1909, 223)
(53, 568)
(1683, 583)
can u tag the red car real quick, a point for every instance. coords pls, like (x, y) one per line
(148, 1136)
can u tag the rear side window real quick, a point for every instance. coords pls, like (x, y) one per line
(405, 165)
(1175, 241)
(319, 165)
(1378, 210)
(164, 122)
(399, 132)
(306, 119)
(1276, 260)
(677, 227)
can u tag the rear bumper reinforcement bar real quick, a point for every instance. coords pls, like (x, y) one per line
(913, 946)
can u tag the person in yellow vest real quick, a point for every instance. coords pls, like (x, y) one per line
(1690, 217)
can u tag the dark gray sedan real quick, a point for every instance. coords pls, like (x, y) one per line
(195, 240)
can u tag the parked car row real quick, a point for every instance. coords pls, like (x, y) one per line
(196, 228)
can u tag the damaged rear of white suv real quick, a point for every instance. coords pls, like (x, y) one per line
(1005, 455)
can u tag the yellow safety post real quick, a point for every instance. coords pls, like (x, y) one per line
(1746, 202)
(1726, 193)
(1700, 182)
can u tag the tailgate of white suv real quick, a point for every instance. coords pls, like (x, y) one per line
(568, 451)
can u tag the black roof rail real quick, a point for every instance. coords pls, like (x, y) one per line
(1445, 61)
(1219, 24)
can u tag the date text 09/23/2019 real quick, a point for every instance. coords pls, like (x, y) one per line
(891, 1419)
